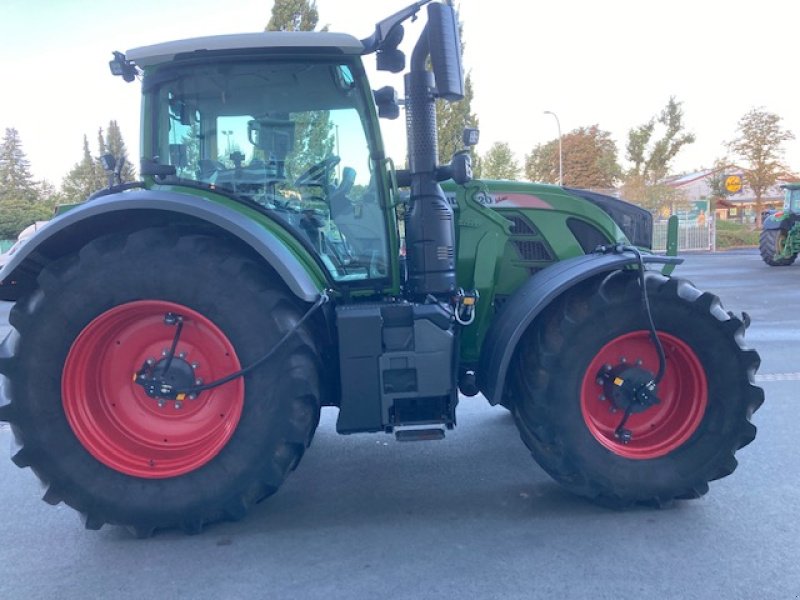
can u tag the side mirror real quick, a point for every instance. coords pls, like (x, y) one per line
(108, 162)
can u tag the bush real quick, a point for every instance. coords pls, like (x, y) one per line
(732, 235)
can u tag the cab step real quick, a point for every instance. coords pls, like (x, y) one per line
(419, 435)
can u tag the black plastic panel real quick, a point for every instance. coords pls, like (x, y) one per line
(397, 366)
(635, 222)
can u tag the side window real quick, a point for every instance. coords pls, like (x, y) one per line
(794, 200)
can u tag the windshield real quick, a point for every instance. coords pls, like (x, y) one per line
(792, 200)
(289, 136)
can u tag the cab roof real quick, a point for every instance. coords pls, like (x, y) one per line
(340, 43)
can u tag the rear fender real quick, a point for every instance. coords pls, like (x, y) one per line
(123, 211)
(522, 308)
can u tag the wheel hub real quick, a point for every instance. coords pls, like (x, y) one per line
(629, 388)
(166, 378)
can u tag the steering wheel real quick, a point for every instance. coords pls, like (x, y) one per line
(315, 173)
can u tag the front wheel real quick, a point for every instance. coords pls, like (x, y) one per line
(568, 402)
(123, 454)
(771, 243)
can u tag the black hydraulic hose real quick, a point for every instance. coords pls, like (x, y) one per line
(662, 360)
(173, 319)
(620, 432)
(323, 298)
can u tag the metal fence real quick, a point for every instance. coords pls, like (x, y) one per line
(690, 236)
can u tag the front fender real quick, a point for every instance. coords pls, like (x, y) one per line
(73, 229)
(530, 300)
(773, 221)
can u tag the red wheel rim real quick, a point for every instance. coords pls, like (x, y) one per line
(118, 423)
(662, 428)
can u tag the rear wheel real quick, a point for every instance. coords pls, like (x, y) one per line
(570, 411)
(119, 454)
(771, 243)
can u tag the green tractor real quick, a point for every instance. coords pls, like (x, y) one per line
(779, 241)
(173, 340)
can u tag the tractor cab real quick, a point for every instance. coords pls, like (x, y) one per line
(791, 198)
(254, 116)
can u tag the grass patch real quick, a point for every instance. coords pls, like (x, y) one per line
(733, 235)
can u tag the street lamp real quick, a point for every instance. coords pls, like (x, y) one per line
(560, 153)
(228, 135)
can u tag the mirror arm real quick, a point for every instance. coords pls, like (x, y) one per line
(384, 29)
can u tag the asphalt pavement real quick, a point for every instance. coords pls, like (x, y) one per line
(471, 516)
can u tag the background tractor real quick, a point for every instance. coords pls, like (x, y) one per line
(779, 241)
(174, 339)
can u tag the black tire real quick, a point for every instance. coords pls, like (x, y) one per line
(770, 244)
(279, 405)
(552, 380)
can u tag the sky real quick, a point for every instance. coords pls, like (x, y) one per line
(612, 63)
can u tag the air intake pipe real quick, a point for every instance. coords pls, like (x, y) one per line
(430, 227)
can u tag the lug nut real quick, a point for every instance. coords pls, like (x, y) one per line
(606, 367)
(178, 405)
(602, 397)
(198, 381)
(195, 365)
(623, 359)
(638, 362)
(599, 381)
(192, 396)
(182, 355)
(150, 361)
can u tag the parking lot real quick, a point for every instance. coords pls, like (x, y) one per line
(472, 516)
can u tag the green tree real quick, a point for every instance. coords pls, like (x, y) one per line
(23, 201)
(16, 181)
(716, 183)
(313, 131)
(659, 198)
(85, 178)
(651, 158)
(115, 145)
(760, 143)
(293, 15)
(499, 162)
(16, 214)
(716, 179)
(589, 156)
(451, 119)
